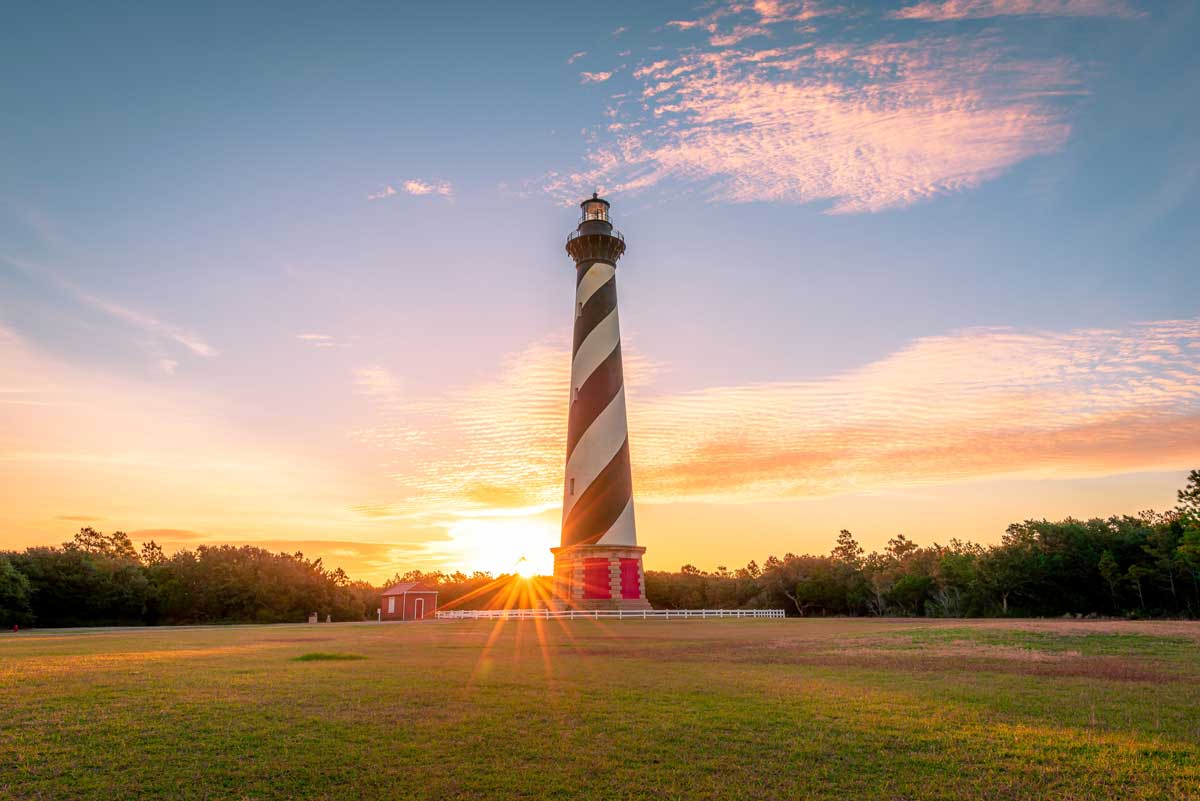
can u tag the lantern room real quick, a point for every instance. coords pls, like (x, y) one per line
(595, 208)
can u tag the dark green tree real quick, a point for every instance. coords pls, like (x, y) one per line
(1136, 574)
(1189, 497)
(1111, 572)
(116, 545)
(15, 590)
(152, 554)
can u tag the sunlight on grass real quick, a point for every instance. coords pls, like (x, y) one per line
(823, 710)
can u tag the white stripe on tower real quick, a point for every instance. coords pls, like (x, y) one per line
(595, 349)
(596, 448)
(622, 532)
(598, 491)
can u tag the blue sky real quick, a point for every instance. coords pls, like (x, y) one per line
(323, 239)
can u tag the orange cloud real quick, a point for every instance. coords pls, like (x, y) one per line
(981, 403)
(976, 404)
(943, 411)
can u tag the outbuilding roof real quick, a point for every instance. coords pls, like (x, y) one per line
(408, 586)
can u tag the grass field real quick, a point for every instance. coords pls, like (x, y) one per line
(805, 709)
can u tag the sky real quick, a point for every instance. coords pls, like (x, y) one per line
(293, 275)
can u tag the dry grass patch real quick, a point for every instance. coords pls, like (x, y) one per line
(325, 656)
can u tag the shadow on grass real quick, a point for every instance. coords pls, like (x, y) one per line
(322, 656)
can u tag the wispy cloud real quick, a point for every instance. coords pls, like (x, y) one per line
(166, 534)
(862, 125)
(618, 31)
(975, 404)
(594, 77)
(149, 324)
(396, 426)
(141, 453)
(371, 560)
(576, 56)
(495, 444)
(325, 340)
(941, 10)
(146, 323)
(387, 191)
(416, 187)
(730, 23)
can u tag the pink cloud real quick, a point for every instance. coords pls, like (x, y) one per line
(865, 127)
(940, 10)
(594, 77)
(731, 23)
(415, 186)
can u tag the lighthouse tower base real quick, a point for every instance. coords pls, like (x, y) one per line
(599, 577)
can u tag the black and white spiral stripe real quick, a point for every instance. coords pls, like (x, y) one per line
(598, 492)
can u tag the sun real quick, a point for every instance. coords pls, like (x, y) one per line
(502, 545)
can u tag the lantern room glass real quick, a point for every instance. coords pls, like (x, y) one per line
(595, 210)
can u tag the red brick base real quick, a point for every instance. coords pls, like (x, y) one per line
(569, 570)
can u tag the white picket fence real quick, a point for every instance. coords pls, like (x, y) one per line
(601, 614)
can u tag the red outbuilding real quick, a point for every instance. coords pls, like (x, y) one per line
(410, 600)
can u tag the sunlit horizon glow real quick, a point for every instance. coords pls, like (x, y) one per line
(922, 266)
(976, 405)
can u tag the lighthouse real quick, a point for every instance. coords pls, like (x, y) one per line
(599, 563)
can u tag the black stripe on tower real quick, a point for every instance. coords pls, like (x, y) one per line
(594, 310)
(594, 396)
(602, 503)
(581, 269)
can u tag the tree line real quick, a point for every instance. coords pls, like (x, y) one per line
(101, 579)
(1144, 565)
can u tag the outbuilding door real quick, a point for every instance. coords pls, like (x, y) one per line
(419, 609)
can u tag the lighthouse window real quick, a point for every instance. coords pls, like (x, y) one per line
(572, 487)
(595, 211)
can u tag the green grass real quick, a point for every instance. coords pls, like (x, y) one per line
(1123, 645)
(325, 656)
(804, 709)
